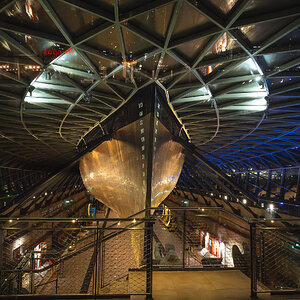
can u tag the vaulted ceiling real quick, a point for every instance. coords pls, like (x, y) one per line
(231, 69)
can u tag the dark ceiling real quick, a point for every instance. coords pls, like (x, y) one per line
(231, 68)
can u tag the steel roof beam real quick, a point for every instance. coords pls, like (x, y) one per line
(267, 17)
(20, 48)
(172, 23)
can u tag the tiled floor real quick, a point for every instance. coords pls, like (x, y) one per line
(204, 285)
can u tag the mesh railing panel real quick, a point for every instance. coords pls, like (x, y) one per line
(277, 258)
(201, 238)
(91, 257)
(77, 258)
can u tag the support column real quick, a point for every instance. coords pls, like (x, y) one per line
(148, 239)
(257, 184)
(149, 261)
(96, 248)
(253, 256)
(32, 274)
(183, 240)
(1, 254)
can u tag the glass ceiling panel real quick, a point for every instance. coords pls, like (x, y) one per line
(155, 21)
(246, 68)
(68, 14)
(188, 19)
(225, 43)
(30, 14)
(106, 5)
(7, 50)
(71, 60)
(107, 42)
(256, 34)
(133, 43)
(270, 5)
(191, 49)
(208, 69)
(101, 87)
(169, 63)
(189, 78)
(224, 5)
(103, 65)
(275, 60)
(126, 5)
(37, 46)
(150, 63)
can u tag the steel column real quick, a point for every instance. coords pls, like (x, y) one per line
(32, 274)
(257, 184)
(253, 260)
(1, 254)
(149, 262)
(183, 240)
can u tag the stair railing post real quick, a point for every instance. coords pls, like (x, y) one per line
(253, 254)
(149, 261)
(183, 241)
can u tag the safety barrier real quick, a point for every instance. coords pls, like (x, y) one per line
(116, 257)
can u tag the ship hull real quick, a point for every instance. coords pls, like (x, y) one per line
(139, 165)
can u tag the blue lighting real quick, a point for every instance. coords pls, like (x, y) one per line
(281, 203)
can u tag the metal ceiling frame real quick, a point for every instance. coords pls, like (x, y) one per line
(74, 119)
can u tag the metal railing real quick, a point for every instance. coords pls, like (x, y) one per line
(62, 267)
(117, 256)
(275, 256)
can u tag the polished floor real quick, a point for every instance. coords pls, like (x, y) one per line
(204, 285)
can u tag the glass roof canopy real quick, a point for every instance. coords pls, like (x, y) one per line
(230, 67)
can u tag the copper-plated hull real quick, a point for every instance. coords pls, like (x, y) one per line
(116, 172)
